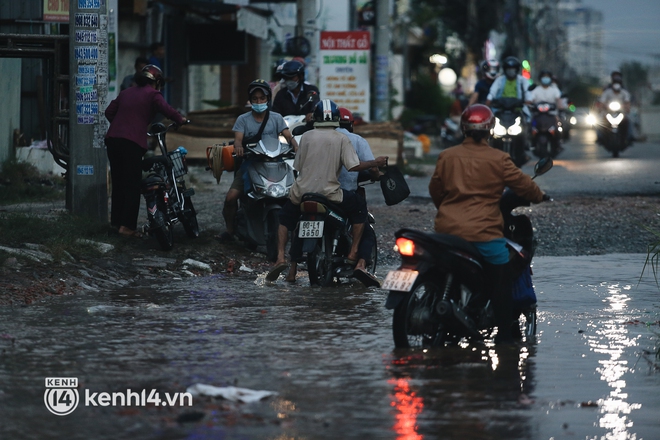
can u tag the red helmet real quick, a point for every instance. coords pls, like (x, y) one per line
(345, 116)
(477, 117)
(153, 73)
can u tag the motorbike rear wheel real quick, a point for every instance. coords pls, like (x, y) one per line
(272, 228)
(189, 219)
(319, 263)
(414, 323)
(527, 322)
(542, 146)
(162, 231)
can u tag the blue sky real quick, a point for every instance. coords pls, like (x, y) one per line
(631, 30)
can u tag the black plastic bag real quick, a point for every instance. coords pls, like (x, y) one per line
(394, 186)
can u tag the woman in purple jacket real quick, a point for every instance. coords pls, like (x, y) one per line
(130, 115)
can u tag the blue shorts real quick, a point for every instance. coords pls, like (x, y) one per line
(494, 251)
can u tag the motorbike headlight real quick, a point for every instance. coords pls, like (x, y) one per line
(276, 191)
(614, 106)
(516, 128)
(591, 119)
(499, 129)
(614, 120)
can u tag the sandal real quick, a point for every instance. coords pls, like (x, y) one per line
(129, 232)
(275, 272)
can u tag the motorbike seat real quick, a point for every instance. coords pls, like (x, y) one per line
(152, 180)
(149, 162)
(318, 198)
(445, 241)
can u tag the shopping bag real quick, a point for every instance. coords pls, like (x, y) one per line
(394, 186)
(523, 290)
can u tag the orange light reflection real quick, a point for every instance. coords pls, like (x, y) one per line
(408, 405)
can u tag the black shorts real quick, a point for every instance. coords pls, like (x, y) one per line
(352, 204)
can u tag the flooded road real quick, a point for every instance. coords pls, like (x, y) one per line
(328, 354)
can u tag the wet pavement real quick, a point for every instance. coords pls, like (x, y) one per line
(328, 354)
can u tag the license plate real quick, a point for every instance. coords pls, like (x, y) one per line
(400, 280)
(309, 229)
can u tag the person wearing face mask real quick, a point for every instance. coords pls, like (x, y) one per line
(546, 92)
(245, 129)
(616, 92)
(509, 85)
(296, 97)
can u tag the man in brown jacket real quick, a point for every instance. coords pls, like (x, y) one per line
(466, 187)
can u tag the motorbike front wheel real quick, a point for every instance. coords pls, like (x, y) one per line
(189, 219)
(319, 263)
(415, 323)
(162, 231)
(272, 228)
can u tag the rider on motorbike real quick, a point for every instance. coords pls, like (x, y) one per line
(490, 69)
(511, 84)
(466, 187)
(321, 155)
(292, 99)
(547, 92)
(616, 92)
(246, 126)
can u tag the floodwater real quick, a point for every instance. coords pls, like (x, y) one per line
(328, 354)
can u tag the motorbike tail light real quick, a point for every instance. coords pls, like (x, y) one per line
(551, 130)
(312, 207)
(405, 246)
(535, 131)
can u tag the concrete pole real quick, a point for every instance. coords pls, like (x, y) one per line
(87, 193)
(381, 101)
(306, 27)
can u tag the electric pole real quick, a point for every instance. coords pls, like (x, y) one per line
(87, 193)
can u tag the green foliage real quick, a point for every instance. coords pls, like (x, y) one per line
(584, 92)
(21, 182)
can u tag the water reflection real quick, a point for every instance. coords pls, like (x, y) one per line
(464, 392)
(612, 339)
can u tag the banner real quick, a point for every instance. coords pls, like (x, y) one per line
(344, 70)
(56, 10)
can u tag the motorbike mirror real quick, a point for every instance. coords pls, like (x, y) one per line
(543, 166)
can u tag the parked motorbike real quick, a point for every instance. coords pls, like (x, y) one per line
(451, 133)
(613, 129)
(324, 234)
(164, 189)
(269, 179)
(545, 130)
(509, 132)
(439, 293)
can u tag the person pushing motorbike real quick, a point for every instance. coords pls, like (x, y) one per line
(321, 154)
(245, 130)
(466, 188)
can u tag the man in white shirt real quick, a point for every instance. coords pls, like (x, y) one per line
(547, 91)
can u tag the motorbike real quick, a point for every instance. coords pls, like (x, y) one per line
(613, 129)
(324, 234)
(164, 188)
(451, 133)
(269, 179)
(567, 119)
(509, 133)
(439, 293)
(546, 132)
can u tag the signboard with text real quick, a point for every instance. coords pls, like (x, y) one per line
(56, 11)
(344, 70)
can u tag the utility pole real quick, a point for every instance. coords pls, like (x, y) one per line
(87, 193)
(381, 108)
(306, 27)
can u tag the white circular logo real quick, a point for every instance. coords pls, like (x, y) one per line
(391, 184)
(61, 400)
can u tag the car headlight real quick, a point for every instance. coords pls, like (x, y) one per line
(499, 129)
(573, 120)
(591, 119)
(516, 128)
(614, 106)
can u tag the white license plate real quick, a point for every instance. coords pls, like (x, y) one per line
(400, 280)
(309, 229)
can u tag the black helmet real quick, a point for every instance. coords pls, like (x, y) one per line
(512, 62)
(261, 85)
(326, 114)
(292, 68)
(543, 73)
(616, 77)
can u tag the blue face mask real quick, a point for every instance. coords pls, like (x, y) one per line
(546, 81)
(260, 108)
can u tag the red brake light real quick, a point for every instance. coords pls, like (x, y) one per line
(405, 246)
